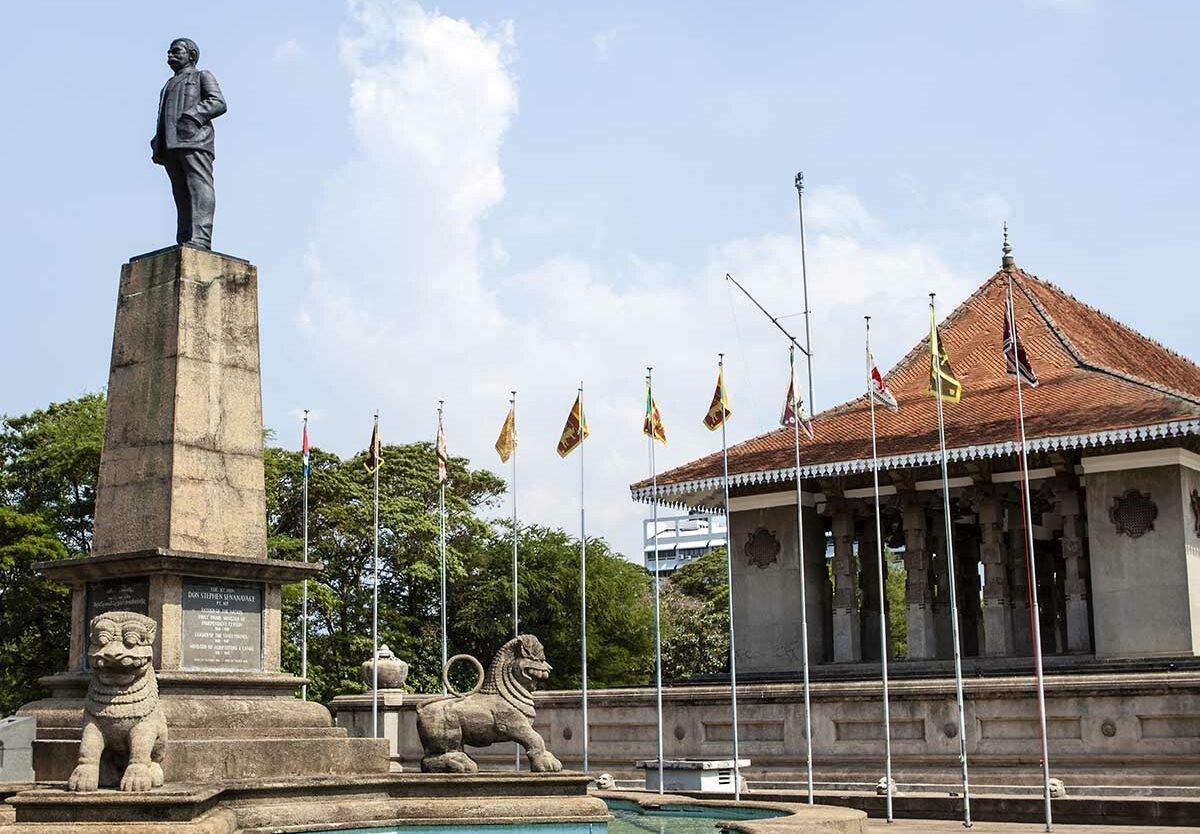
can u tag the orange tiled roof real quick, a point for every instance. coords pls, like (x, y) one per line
(1101, 382)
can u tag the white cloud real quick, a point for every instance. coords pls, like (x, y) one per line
(403, 308)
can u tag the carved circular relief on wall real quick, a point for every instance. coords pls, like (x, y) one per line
(762, 548)
(1133, 513)
(1109, 729)
(680, 733)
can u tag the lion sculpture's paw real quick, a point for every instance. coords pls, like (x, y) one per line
(544, 762)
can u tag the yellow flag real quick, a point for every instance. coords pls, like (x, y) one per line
(375, 451)
(653, 426)
(719, 411)
(507, 441)
(575, 430)
(939, 366)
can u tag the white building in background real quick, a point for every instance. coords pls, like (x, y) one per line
(673, 541)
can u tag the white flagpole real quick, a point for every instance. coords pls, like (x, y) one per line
(442, 524)
(737, 773)
(304, 591)
(803, 586)
(883, 641)
(375, 597)
(515, 602)
(1031, 563)
(583, 582)
(936, 368)
(658, 689)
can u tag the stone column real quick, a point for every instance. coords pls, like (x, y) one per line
(917, 592)
(847, 635)
(997, 611)
(940, 570)
(1018, 573)
(1079, 624)
(868, 561)
(966, 563)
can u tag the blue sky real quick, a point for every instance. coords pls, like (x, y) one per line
(448, 202)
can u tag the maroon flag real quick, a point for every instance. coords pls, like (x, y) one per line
(1012, 345)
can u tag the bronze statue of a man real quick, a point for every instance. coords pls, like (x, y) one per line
(183, 142)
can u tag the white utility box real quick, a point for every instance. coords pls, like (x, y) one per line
(714, 775)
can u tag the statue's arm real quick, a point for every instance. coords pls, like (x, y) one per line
(211, 103)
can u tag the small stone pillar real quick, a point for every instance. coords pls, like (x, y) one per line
(997, 610)
(1079, 623)
(1018, 572)
(940, 571)
(356, 713)
(917, 592)
(847, 635)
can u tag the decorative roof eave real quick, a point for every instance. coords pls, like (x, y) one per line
(678, 494)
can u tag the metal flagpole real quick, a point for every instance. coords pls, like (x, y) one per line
(812, 403)
(375, 598)
(1030, 564)
(803, 586)
(658, 707)
(737, 773)
(883, 641)
(515, 603)
(304, 591)
(583, 582)
(442, 524)
(936, 367)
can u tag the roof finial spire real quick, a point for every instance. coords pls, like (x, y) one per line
(1007, 260)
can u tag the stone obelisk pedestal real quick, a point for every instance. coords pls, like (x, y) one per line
(180, 535)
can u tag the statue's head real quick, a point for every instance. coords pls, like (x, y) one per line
(120, 646)
(182, 52)
(530, 660)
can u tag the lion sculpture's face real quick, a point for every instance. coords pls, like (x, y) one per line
(530, 660)
(121, 647)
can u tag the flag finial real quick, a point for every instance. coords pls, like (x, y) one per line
(1007, 259)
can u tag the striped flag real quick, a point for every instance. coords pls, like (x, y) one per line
(575, 430)
(442, 455)
(793, 404)
(880, 391)
(304, 457)
(1012, 344)
(718, 410)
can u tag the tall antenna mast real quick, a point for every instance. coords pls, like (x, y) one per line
(812, 405)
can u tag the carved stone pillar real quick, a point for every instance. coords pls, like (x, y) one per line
(997, 611)
(940, 570)
(847, 634)
(966, 563)
(1079, 623)
(917, 592)
(1018, 575)
(868, 561)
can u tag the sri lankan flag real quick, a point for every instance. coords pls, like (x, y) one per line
(939, 366)
(575, 430)
(653, 426)
(374, 451)
(719, 411)
(507, 441)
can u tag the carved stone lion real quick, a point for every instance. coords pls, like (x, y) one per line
(499, 709)
(124, 731)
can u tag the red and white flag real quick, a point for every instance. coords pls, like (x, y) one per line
(793, 405)
(1012, 345)
(880, 392)
(442, 455)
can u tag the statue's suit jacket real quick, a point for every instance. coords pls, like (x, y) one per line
(195, 95)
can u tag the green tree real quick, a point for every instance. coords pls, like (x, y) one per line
(695, 613)
(620, 617)
(51, 459)
(897, 612)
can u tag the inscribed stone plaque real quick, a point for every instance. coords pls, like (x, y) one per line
(222, 624)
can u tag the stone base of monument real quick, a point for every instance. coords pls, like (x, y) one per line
(261, 806)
